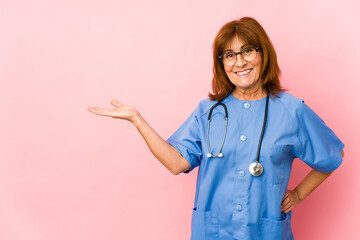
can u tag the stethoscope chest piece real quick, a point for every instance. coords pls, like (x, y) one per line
(255, 169)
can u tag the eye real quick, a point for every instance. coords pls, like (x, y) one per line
(229, 55)
(248, 50)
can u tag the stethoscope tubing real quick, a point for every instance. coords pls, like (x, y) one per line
(255, 168)
(263, 129)
(219, 154)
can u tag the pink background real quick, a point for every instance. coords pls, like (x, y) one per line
(68, 174)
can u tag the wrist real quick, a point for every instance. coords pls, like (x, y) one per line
(137, 119)
(299, 194)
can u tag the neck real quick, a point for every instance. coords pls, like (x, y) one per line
(251, 95)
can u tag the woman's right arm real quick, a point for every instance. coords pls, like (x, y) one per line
(162, 150)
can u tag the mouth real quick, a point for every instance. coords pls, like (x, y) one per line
(244, 72)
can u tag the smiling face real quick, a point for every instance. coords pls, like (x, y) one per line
(245, 75)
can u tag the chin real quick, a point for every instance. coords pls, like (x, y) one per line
(245, 85)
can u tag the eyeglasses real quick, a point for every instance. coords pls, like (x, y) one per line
(248, 54)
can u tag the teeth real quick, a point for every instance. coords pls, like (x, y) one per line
(243, 73)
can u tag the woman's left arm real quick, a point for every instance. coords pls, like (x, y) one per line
(306, 186)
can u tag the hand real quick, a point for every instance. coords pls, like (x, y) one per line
(290, 200)
(121, 111)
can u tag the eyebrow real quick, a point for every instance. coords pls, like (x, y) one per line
(240, 47)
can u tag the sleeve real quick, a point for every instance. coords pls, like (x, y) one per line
(317, 144)
(187, 141)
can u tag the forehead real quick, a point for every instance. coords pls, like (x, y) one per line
(234, 44)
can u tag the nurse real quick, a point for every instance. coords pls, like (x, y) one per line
(231, 203)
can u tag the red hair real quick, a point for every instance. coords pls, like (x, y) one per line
(251, 32)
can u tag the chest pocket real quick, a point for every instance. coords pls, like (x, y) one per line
(276, 162)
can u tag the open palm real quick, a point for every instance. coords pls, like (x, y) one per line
(122, 111)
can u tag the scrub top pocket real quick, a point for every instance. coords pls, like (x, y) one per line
(275, 230)
(275, 161)
(204, 225)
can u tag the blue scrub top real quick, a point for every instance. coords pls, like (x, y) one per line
(230, 203)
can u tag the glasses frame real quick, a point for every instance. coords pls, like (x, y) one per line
(236, 53)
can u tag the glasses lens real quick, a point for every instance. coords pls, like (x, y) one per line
(229, 58)
(249, 54)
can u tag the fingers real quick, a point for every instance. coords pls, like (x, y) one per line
(286, 195)
(285, 201)
(287, 205)
(96, 110)
(289, 201)
(288, 208)
(109, 112)
(116, 103)
(122, 111)
(93, 109)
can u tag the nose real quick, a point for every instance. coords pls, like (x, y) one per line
(240, 61)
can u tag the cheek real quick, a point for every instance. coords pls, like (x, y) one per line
(227, 69)
(257, 62)
(257, 65)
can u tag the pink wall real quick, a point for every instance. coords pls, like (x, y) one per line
(68, 174)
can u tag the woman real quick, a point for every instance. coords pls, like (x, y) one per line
(244, 165)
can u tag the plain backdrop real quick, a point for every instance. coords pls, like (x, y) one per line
(68, 174)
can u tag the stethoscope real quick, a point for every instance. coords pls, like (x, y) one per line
(255, 168)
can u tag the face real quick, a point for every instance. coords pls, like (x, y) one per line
(244, 75)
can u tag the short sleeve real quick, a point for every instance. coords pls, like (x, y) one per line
(187, 140)
(317, 144)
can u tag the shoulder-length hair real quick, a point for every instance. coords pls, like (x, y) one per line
(251, 32)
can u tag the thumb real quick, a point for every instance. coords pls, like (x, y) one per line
(116, 103)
